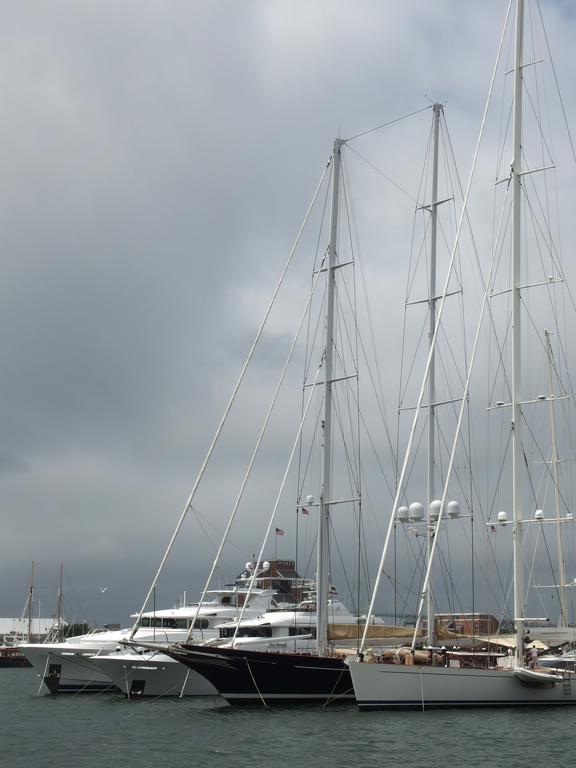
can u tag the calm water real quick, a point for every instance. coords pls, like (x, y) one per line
(84, 731)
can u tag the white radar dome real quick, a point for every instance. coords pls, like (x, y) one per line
(435, 507)
(453, 509)
(403, 514)
(416, 510)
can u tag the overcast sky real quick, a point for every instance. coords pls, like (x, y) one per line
(156, 160)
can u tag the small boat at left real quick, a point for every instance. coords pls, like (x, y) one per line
(11, 656)
(26, 628)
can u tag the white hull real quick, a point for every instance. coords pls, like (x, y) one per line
(152, 674)
(67, 670)
(395, 686)
(68, 667)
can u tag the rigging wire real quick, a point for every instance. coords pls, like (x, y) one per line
(390, 122)
(381, 173)
(557, 83)
(229, 405)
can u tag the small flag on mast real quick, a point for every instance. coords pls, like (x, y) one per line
(493, 528)
(279, 532)
(305, 511)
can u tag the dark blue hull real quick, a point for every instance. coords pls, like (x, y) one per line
(248, 677)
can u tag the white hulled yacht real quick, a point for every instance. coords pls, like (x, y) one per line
(68, 666)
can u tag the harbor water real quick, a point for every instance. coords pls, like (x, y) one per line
(85, 730)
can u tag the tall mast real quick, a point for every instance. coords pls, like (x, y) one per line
(326, 488)
(516, 340)
(563, 619)
(31, 603)
(59, 606)
(437, 109)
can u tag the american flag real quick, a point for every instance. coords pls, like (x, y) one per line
(279, 531)
(305, 511)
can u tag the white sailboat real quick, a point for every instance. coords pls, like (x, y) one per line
(447, 683)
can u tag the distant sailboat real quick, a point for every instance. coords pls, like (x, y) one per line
(10, 653)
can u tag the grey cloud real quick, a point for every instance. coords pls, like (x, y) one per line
(155, 162)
